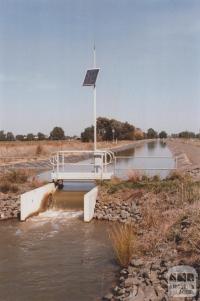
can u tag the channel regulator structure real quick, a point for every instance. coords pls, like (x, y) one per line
(98, 168)
(100, 164)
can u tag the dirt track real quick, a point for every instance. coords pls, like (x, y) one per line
(188, 155)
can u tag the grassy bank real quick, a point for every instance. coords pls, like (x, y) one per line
(169, 217)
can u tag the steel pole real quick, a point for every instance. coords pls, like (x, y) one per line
(95, 119)
(95, 102)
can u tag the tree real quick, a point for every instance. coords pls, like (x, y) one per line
(138, 135)
(41, 136)
(10, 136)
(162, 135)
(20, 137)
(151, 134)
(57, 134)
(30, 137)
(88, 134)
(2, 136)
(109, 128)
(186, 134)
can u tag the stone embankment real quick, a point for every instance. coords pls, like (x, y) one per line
(142, 280)
(9, 206)
(124, 212)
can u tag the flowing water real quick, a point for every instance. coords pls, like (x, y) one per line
(55, 257)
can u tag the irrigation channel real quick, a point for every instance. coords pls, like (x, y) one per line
(55, 255)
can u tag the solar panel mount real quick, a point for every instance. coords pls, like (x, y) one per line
(91, 77)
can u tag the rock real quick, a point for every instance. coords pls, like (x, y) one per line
(107, 297)
(132, 270)
(124, 214)
(159, 291)
(121, 291)
(155, 266)
(130, 282)
(132, 293)
(154, 277)
(164, 284)
(150, 293)
(124, 272)
(138, 297)
(137, 263)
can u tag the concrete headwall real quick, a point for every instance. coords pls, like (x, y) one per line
(31, 201)
(89, 204)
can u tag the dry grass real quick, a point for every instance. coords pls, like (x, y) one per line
(170, 214)
(6, 187)
(39, 150)
(123, 239)
(18, 180)
(16, 176)
(176, 175)
(33, 149)
(10, 179)
(134, 176)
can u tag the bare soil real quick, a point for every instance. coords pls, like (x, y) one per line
(187, 150)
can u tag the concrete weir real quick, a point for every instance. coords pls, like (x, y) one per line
(34, 201)
(39, 200)
(89, 204)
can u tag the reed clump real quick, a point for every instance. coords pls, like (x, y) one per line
(123, 239)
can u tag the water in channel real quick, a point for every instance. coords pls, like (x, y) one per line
(55, 256)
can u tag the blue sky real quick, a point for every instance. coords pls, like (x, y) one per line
(148, 52)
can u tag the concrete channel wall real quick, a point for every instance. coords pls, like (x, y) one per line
(89, 204)
(31, 201)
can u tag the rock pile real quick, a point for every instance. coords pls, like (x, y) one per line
(142, 281)
(124, 212)
(194, 173)
(9, 206)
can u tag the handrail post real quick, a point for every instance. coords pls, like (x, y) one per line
(176, 162)
(102, 167)
(115, 162)
(105, 154)
(57, 162)
(63, 162)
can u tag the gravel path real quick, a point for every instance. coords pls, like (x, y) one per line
(188, 155)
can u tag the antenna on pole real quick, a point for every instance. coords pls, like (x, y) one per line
(90, 80)
(94, 56)
(95, 104)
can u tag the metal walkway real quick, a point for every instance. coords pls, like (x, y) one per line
(93, 165)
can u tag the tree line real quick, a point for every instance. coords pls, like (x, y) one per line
(111, 129)
(186, 134)
(107, 130)
(56, 134)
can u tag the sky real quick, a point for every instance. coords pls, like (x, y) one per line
(148, 52)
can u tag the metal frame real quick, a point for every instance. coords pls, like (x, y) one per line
(102, 158)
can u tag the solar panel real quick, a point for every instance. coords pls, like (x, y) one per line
(91, 77)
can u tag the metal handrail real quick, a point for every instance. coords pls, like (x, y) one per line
(58, 159)
(143, 157)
